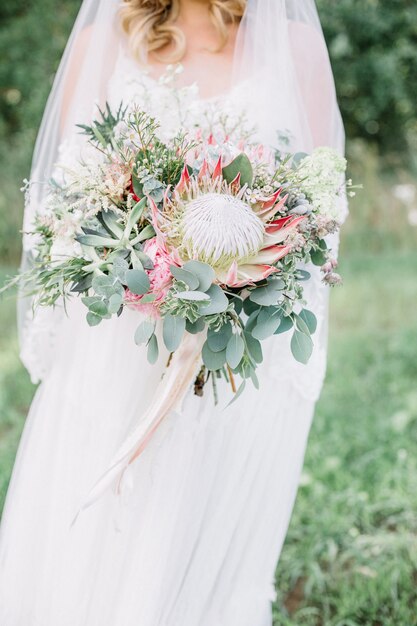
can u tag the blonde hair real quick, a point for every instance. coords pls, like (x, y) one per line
(150, 24)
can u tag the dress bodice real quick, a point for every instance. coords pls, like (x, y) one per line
(176, 107)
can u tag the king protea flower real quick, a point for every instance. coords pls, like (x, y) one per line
(209, 219)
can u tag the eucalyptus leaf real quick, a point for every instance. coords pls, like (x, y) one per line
(285, 325)
(218, 340)
(218, 301)
(137, 282)
(153, 350)
(254, 347)
(99, 308)
(173, 331)
(269, 294)
(194, 296)
(254, 378)
(213, 360)
(238, 304)
(196, 327)
(185, 276)
(249, 307)
(301, 347)
(120, 267)
(93, 319)
(205, 273)
(310, 320)
(106, 285)
(83, 284)
(266, 325)
(235, 350)
(89, 300)
(252, 319)
(144, 332)
(115, 302)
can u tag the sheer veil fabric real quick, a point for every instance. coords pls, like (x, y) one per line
(194, 537)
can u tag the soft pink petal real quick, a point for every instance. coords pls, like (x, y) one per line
(184, 180)
(289, 222)
(218, 169)
(271, 255)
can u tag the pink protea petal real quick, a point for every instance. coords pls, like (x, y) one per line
(249, 274)
(271, 255)
(184, 180)
(273, 237)
(267, 214)
(218, 169)
(270, 202)
(289, 221)
(235, 184)
(155, 223)
(231, 276)
(211, 141)
(204, 170)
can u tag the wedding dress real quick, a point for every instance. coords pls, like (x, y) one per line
(194, 537)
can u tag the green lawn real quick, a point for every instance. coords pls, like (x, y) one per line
(351, 554)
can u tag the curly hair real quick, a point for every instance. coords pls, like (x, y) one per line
(150, 24)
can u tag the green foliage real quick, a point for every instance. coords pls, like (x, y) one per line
(373, 48)
(350, 558)
(32, 36)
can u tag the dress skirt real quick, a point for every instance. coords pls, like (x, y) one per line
(194, 537)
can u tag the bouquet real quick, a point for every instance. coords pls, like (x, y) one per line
(210, 238)
(204, 237)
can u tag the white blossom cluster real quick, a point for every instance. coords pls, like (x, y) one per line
(322, 176)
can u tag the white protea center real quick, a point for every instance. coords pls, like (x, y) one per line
(219, 228)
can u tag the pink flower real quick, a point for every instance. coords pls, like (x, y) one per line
(160, 278)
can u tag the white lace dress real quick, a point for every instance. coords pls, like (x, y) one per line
(195, 538)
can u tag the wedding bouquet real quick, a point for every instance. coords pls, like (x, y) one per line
(208, 237)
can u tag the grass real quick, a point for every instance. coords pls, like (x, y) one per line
(350, 558)
(351, 553)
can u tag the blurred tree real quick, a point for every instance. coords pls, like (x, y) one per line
(373, 47)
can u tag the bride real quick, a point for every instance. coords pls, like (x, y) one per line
(194, 535)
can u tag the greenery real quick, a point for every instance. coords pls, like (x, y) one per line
(373, 47)
(350, 558)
